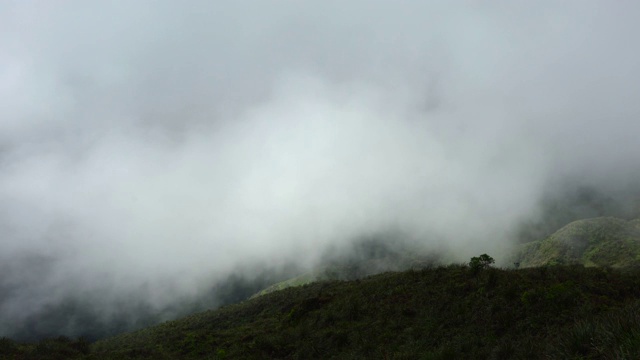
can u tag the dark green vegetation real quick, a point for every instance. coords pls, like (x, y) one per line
(446, 312)
(604, 241)
(49, 349)
(479, 263)
(575, 296)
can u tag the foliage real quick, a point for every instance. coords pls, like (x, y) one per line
(60, 348)
(435, 313)
(475, 311)
(443, 312)
(481, 262)
(604, 241)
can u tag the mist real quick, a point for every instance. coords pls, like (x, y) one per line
(151, 150)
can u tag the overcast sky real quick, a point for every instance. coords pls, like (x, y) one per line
(166, 142)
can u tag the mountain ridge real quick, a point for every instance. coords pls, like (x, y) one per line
(601, 241)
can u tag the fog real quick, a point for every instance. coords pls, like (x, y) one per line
(149, 150)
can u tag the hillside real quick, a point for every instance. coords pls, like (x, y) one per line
(603, 241)
(354, 269)
(436, 313)
(588, 306)
(444, 312)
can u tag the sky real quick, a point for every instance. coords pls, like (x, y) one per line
(162, 145)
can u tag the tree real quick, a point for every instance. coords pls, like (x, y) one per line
(481, 262)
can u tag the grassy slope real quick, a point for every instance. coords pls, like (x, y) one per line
(352, 270)
(435, 313)
(439, 313)
(604, 241)
(303, 279)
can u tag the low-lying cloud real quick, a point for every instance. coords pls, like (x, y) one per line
(162, 146)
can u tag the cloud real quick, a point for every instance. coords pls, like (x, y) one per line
(163, 146)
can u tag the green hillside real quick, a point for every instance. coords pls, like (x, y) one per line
(604, 241)
(303, 279)
(444, 312)
(352, 270)
(585, 307)
(450, 312)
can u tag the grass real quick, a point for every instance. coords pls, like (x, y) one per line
(449, 312)
(604, 241)
(586, 306)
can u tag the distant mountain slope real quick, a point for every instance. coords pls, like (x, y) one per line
(604, 241)
(353, 270)
(303, 279)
